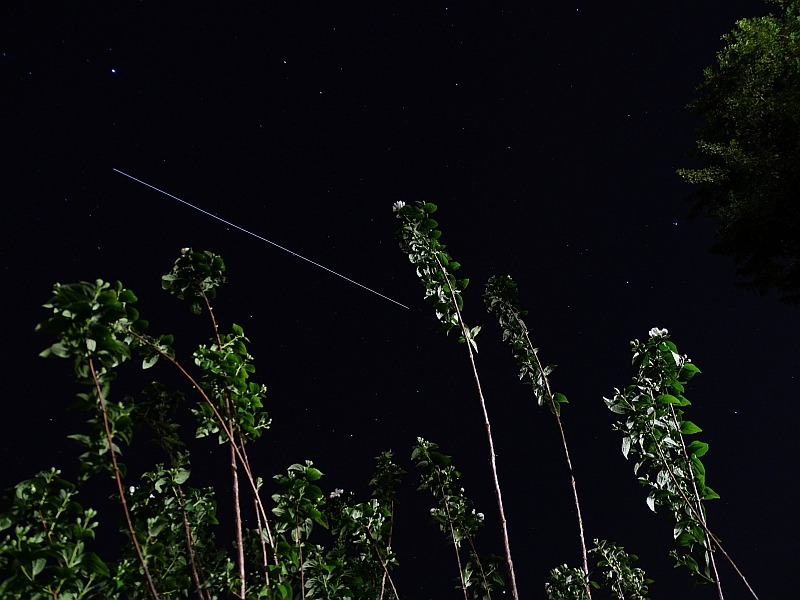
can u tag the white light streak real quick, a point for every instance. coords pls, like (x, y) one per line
(263, 239)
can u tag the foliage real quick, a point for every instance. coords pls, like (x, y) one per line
(654, 431)
(419, 239)
(750, 148)
(502, 299)
(45, 555)
(158, 506)
(195, 277)
(172, 551)
(619, 574)
(455, 516)
(226, 366)
(567, 583)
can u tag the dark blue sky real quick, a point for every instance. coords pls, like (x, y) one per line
(547, 135)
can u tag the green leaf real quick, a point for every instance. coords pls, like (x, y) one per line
(688, 371)
(697, 448)
(626, 446)
(560, 398)
(127, 296)
(38, 566)
(313, 474)
(688, 428)
(93, 565)
(181, 476)
(430, 208)
(668, 399)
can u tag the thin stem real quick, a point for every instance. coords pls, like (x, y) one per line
(47, 531)
(190, 546)
(264, 555)
(234, 472)
(151, 586)
(224, 427)
(697, 516)
(498, 494)
(480, 566)
(556, 412)
(300, 552)
(263, 545)
(238, 520)
(157, 426)
(701, 511)
(453, 535)
(385, 569)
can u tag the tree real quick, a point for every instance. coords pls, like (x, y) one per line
(750, 147)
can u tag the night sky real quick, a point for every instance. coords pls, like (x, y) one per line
(548, 136)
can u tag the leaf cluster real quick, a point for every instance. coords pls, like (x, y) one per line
(162, 507)
(419, 239)
(195, 276)
(226, 367)
(91, 321)
(502, 300)
(44, 555)
(653, 432)
(455, 516)
(567, 583)
(619, 574)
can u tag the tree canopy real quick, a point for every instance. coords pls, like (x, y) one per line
(750, 148)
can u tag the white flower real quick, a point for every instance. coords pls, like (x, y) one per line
(336, 493)
(462, 490)
(655, 332)
(152, 496)
(480, 516)
(433, 511)
(131, 489)
(184, 250)
(398, 205)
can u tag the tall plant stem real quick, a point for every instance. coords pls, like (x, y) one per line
(385, 569)
(699, 503)
(237, 510)
(480, 566)
(697, 515)
(238, 520)
(453, 536)
(190, 547)
(150, 585)
(497, 492)
(186, 528)
(556, 412)
(265, 561)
